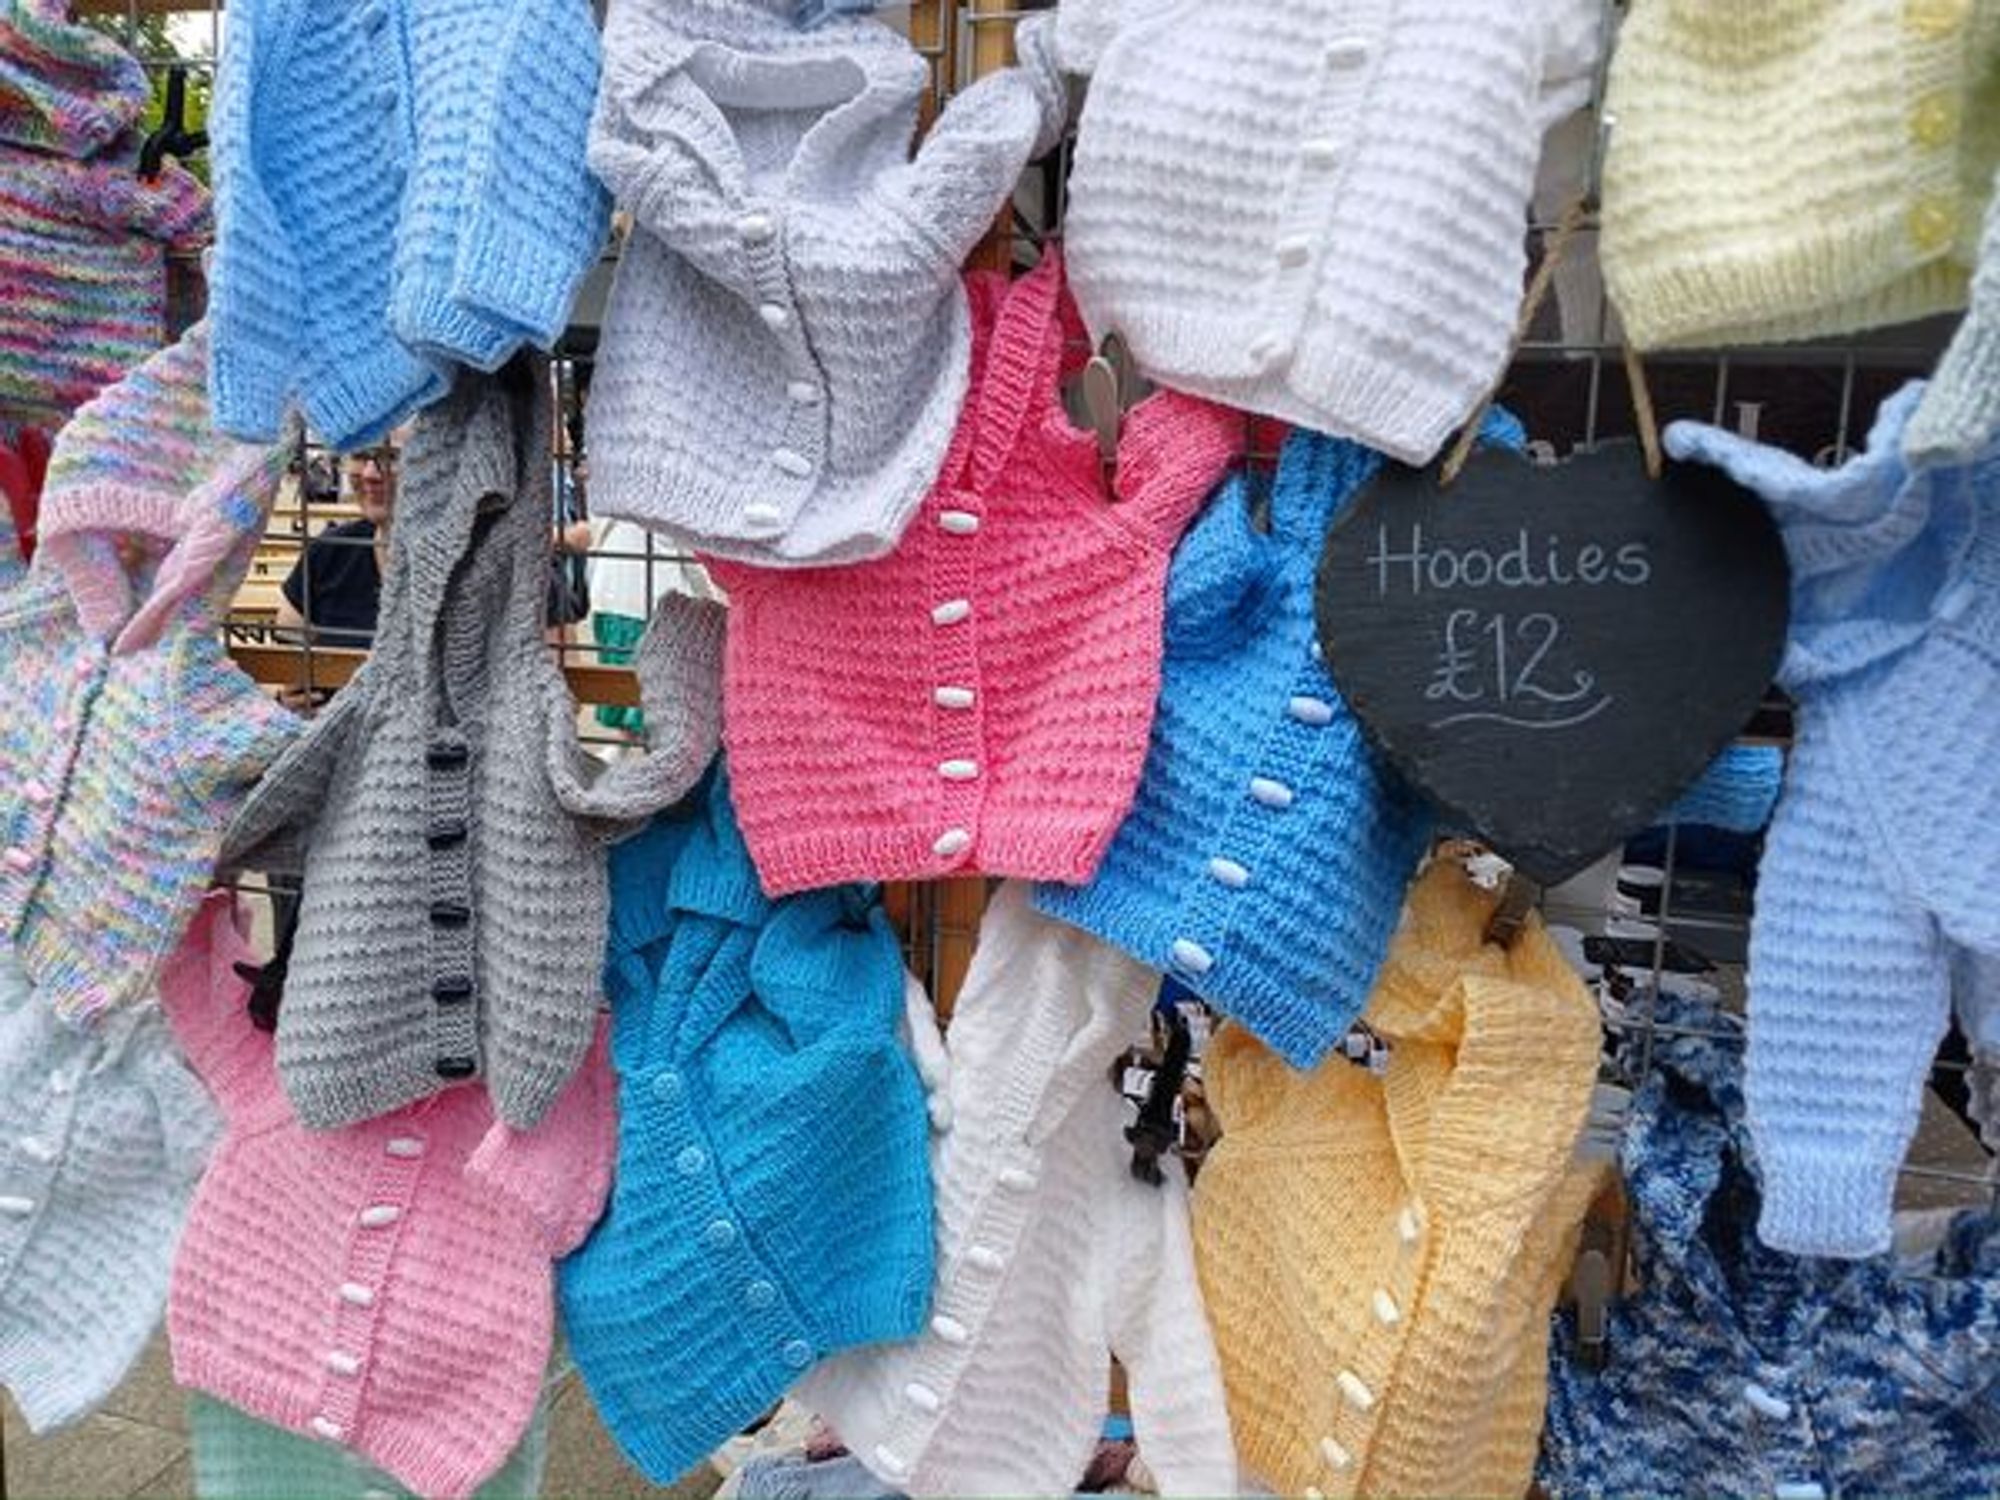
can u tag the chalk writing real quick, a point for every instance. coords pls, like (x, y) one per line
(1553, 563)
(1491, 669)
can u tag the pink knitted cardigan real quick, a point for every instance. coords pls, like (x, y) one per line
(386, 1287)
(978, 701)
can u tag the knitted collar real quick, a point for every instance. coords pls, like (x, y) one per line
(141, 462)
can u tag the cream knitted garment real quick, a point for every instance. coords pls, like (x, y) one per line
(1316, 209)
(1797, 170)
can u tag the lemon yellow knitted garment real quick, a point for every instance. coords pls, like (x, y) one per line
(1796, 168)
(1380, 1256)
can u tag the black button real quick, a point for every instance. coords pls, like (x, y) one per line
(446, 835)
(452, 991)
(447, 757)
(450, 913)
(456, 1067)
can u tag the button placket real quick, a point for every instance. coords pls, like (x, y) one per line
(957, 712)
(26, 838)
(796, 459)
(354, 1301)
(454, 1004)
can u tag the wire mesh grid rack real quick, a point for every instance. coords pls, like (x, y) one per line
(1569, 383)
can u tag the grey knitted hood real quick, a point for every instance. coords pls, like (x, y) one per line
(450, 830)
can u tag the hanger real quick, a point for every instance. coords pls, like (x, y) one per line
(171, 137)
(1110, 386)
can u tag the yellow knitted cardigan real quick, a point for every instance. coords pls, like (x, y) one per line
(1380, 1256)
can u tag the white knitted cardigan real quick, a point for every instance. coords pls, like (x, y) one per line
(1051, 1256)
(1316, 209)
(787, 342)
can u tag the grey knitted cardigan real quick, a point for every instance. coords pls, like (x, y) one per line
(451, 830)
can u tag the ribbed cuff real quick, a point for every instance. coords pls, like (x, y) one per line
(526, 280)
(1820, 1201)
(428, 320)
(366, 397)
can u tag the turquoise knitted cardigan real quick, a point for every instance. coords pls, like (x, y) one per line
(773, 1196)
(1877, 873)
(400, 186)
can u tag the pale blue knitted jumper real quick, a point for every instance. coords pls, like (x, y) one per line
(1878, 869)
(399, 186)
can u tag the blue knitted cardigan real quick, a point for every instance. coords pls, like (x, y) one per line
(400, 186)
(773, 1194)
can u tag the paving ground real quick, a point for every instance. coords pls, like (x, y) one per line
(137, 1446)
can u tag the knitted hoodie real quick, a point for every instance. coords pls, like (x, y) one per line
(386, 1287)
(453, 831)
(1367, 167)
(1011, 642)
(431, 206)
(102, 1136)
(1266, 853)
(786, 345)
(1381, 1254)
(1877, 867)
(127, 736)
(1052, 1257)
(1796, 171)
(772, 1202)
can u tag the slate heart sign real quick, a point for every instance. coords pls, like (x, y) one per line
(1553, 653)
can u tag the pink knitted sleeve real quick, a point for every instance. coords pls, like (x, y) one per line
(559, 1173)
(203, 997)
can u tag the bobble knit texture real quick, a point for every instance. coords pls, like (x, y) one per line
(102, 1135)
(1286, 932)
(453, 830)
(433, 207)
(835, 727)
(1796, 171)
(773, 1204)
(453, 1334)
(1380, 1255)
(127, 736)
(786, 348)
(1052, 1257)
(1363, 171)
(1875, 872)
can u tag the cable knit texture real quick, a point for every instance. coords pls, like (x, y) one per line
(1874, 873)
(386, 1288)
(127, 736)
(102, 1136)
(1267, 851)
(452, 829)
(786, 347)
(1052, 1257)
(433, 207)
(978, 701)
(1381, 1255)
(1362, 171)
(773, 1204)
(1799, 170)
(66, 89)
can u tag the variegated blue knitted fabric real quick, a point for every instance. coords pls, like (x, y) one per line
(1736, 792)
(1736, 1370)
(1877, 868)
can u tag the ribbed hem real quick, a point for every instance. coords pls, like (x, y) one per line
(1826, 1201)
(54, 1383)
(363, 399)
(526, 281)
(427, 320)
(816, 858)
(1960, 410)
(247, 396)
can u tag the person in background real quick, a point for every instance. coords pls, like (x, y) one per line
(335, 590)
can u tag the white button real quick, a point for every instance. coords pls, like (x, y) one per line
(380, 1216)
(36, 793)
(958, 770)
(1775, 1407)
(1409, 1225)
(1190, 955)
(1797, 1489)
(1346, 52)
(951, 612)
(1318, 651)
(1334, 1454)
(355, 1293)
(762, 513)
(986, 1257)
(36, 1149)
(690, 1160)
(1294, 250)
(958, 522)
(921, 1396)
(952, 841)
(949, 1329)
(719, 1235)
(19, 859)
(1228, 872)
(802, 393)
(60, 1083)
(1017, 1179)
(1313, 711)
(19, 1208)
(1270, 793)
(755, 228)
(327, 1428)
(953, 697)
(890, 1462)
(1354, 1391)
(342, 1363)
(774, 316)
(1265, 349)
(1386, 1311)
(408, 1147)
(795, 464)
(376, 1495)
(1320, 151)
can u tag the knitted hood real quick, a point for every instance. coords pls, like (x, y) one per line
(785, 351)
(443, 804)
(772, 1203)
(1380, 1255)
(66, 89)
(1012, 639)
